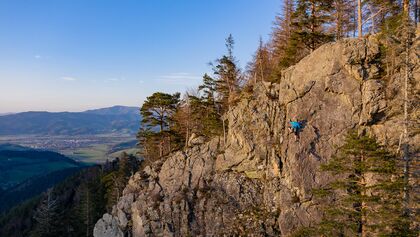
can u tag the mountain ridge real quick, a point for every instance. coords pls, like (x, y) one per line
(116, 119)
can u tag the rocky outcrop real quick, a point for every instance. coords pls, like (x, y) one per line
(259, 180)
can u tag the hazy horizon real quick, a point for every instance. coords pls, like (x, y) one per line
(72, 111)
(79, 55)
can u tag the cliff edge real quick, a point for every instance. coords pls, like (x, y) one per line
(259, 180)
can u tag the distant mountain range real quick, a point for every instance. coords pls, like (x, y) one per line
(116, 119)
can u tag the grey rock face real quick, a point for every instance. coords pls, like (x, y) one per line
(108, 227)
(258, 182)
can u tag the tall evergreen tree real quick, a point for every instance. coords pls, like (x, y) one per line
(343, 18)
(260, 68)
(200, 111)
(365, 198)
(47, 217)
(208, 88)
(378, 12)
(310, 18)
(282, 30)
(303, 28)
(90, 205)
(157, 114)
(227, 76)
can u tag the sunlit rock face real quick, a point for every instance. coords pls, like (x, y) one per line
(259, 180)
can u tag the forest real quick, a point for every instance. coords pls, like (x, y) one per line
(72, 207)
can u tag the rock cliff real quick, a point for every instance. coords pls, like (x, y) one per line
(259, 180)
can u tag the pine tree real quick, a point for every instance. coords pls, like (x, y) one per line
(310, 18)
(227, 76)
(157, 112)
(303, 28)
(115, 181)
(398, 37)
(260, 68)
(86, 208)
(378, 12)
(208, 88)
(200, 111)
(286, 44)
(197, 113)
(47, 217)
(282, 31)
(343, 18)
(365, 196)
(208, 105)
(90, 204)
(148, 143)
(406, 35)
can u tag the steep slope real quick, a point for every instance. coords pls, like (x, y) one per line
(17, 166)
(32, 187)
(107, 120)
(259, 180)
(26, 172)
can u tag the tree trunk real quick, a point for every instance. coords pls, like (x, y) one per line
(313, 15)
(187, 136)
(261, 69)
(224, 133)
(87, 212)
(405, 143)
(406, 6)
(372, 27)
(363, 205)
(338, 19)
(161, 139)
(359, 19)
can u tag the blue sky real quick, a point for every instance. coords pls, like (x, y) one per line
(72, 55)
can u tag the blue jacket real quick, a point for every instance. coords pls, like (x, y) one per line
(295, 125)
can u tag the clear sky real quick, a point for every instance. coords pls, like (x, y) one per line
(72, 55)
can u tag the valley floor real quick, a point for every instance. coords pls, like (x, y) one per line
(86, 148)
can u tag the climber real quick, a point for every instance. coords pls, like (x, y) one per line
(295, 127)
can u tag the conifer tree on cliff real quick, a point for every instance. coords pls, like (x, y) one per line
(282, 30)
(198, 112)
(227, 76)
(365, 197)
(209, 106)
(301, 29)
(343, 19)
(157, 119)
(260, 68)
(406, 38)
(310, 18)
(398, 33)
